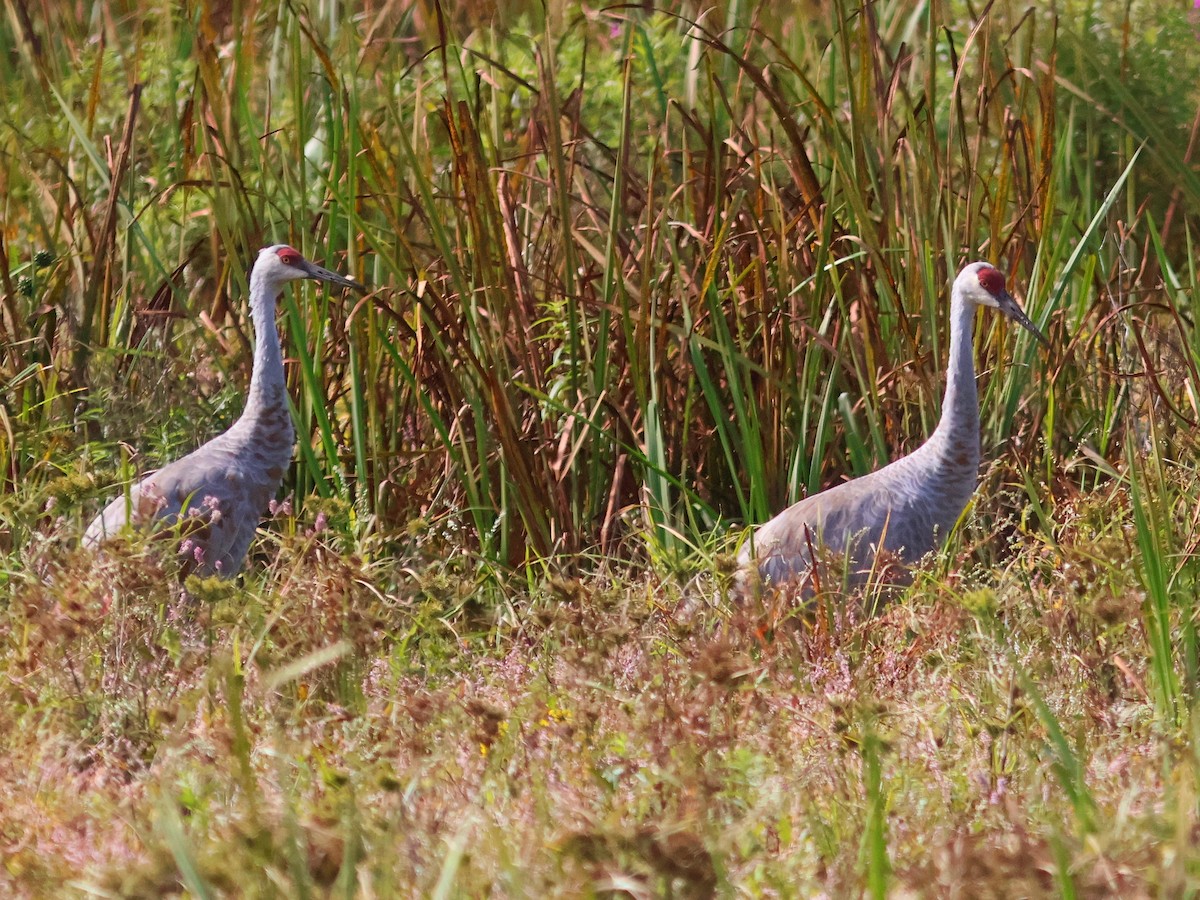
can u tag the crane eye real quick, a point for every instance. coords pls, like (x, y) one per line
(289, 257)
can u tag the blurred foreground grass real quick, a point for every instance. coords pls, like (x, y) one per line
(337, 727)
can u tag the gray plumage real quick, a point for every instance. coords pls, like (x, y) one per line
(220, 491)
(909, 506)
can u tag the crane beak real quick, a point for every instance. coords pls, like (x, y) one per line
(317, 273)
(1007, 305)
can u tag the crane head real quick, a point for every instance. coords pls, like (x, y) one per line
(983, 284)
(280, 263)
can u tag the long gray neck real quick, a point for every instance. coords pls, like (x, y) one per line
(953, 448)
(266, 403)
(960, 406)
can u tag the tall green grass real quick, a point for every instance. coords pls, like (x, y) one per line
(635, 273)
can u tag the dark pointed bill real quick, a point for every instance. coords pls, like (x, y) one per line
(323, 274)
(1009, 307)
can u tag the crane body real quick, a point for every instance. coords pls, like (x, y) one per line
(909, 506)
(219, 492)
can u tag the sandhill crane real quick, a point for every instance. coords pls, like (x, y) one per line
(909, 506)
(220, 491)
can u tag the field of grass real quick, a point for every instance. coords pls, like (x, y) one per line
(640, 277)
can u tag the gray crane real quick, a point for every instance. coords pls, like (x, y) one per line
(909, 506)
(219, 492)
